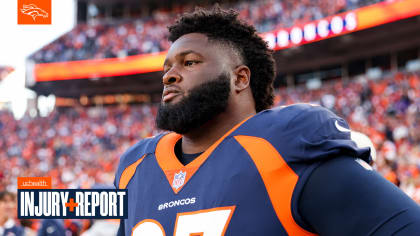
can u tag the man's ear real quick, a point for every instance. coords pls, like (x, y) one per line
(242, 78)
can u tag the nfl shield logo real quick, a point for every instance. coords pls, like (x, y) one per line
(179, 179)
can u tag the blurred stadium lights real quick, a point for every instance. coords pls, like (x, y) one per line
(13, 92)
(46, 105)
(314, 83)
(413, 65)
(374, 73)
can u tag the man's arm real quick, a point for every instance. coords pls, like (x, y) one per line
(341, 197)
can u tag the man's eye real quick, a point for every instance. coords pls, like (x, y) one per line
(190, 63)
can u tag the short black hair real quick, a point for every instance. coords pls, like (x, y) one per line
(224, 25)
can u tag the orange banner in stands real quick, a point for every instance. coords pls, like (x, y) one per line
(99, 68)
(386, 12)
(332, 26)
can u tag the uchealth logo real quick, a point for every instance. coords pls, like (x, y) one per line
(37, 203)
(34, 12)
(34, 182)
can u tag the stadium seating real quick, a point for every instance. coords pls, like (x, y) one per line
(104, 39)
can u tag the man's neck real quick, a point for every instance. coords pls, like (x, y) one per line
(202, 138)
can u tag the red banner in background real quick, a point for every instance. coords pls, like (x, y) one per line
(332, 26)
(344, 23)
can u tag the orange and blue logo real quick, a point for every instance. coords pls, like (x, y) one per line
(34, 12)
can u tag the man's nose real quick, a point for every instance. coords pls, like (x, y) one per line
(171, 77)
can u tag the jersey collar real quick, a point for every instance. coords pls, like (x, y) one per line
(176, 173)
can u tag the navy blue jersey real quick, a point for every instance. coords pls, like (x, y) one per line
(14, 231)
(344, 196)
(246, 183)
(52, 227)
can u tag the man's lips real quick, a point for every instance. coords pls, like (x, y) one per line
(169, 96)
(169, 93)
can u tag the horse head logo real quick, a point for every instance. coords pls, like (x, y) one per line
(34, 11)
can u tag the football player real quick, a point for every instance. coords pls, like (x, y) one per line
(230, 165)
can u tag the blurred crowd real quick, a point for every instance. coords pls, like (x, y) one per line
(126, 37)
(80, 147)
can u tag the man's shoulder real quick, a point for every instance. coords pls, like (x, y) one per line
(281, 120)
(300, 112)
(141, 148)
(136, 153)
(305, 123)
(303, 132)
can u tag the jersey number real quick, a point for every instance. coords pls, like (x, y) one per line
(209, 222)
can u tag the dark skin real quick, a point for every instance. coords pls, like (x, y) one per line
(194, 59)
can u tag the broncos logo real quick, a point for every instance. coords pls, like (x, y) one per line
(34, 11)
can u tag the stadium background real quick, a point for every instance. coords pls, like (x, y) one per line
(97, 86)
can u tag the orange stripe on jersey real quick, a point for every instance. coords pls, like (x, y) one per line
(152, 226)
(279, 179)
(169, 163)
(128, 173)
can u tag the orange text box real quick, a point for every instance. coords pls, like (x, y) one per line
(34, 12)
(34, 182)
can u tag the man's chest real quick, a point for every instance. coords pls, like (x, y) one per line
(225, 196)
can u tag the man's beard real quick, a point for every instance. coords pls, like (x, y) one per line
(203, 103)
